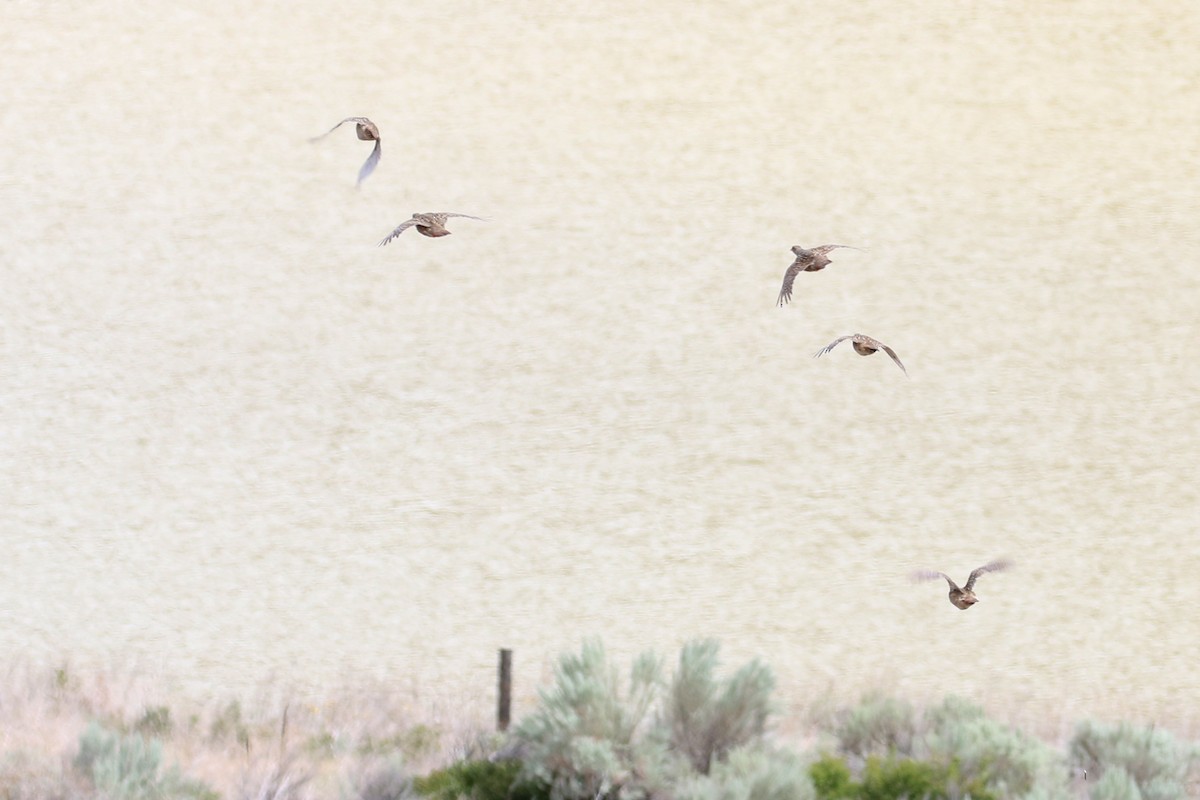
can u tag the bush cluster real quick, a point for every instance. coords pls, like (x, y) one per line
(1130, 763)
(599, 732)
(697, 735)
(130, 768)
(594, 736)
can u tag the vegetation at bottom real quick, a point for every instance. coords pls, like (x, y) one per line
(129, 767)
(479, 779)
(650, 731)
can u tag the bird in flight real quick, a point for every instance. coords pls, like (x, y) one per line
(863, 345)
(368, 133)
(432, 224)
(807, 260)
(965, 597)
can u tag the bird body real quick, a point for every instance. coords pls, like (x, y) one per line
(431, 224)
(812, 259)
(963, 597)
(368, 132)
(863, 345)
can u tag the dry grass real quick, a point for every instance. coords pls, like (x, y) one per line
(272, 746)
(278, 745)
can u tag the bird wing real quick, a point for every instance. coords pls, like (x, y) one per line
(994, 566)
(369, 165)
(932, 575)
(831, 345)
(789, 277)
(892, 353)
(826, 248)
(340, 124)
(401, 228)
(449, 214)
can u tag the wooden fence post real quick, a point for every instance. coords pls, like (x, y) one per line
(504, 704)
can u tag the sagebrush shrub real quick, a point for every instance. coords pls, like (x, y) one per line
(1010, 762)
(1155, 761)
(752, 773)
(582, 741)
(958, 736)
(707, 717)
(130, 768)
(878, 725)
(1115, 784)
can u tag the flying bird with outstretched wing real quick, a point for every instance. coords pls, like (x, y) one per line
(963, 597)
(863, 345)
(368, 132)
(812, 259)
(432, 224)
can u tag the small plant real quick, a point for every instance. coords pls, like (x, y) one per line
(228, 724)
(321, 745)
(479, 780)
(130, 768)
(707, 717)
(155, 722)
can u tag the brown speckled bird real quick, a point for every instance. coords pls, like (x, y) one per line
(863, 345)
(368, 133)
(962, 598)
(432, 224)
(807, 260)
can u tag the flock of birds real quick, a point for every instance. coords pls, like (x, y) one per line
(811, 259)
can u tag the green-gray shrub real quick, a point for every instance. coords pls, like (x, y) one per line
(895, 778)
(907, 778)
(955, 734)
(1010, 762)
(479, 780)
(130, 768)
(752, 773)
(1115, 784)
(879, 725)
(706, 717)
(1154, 760)
(582, 741)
